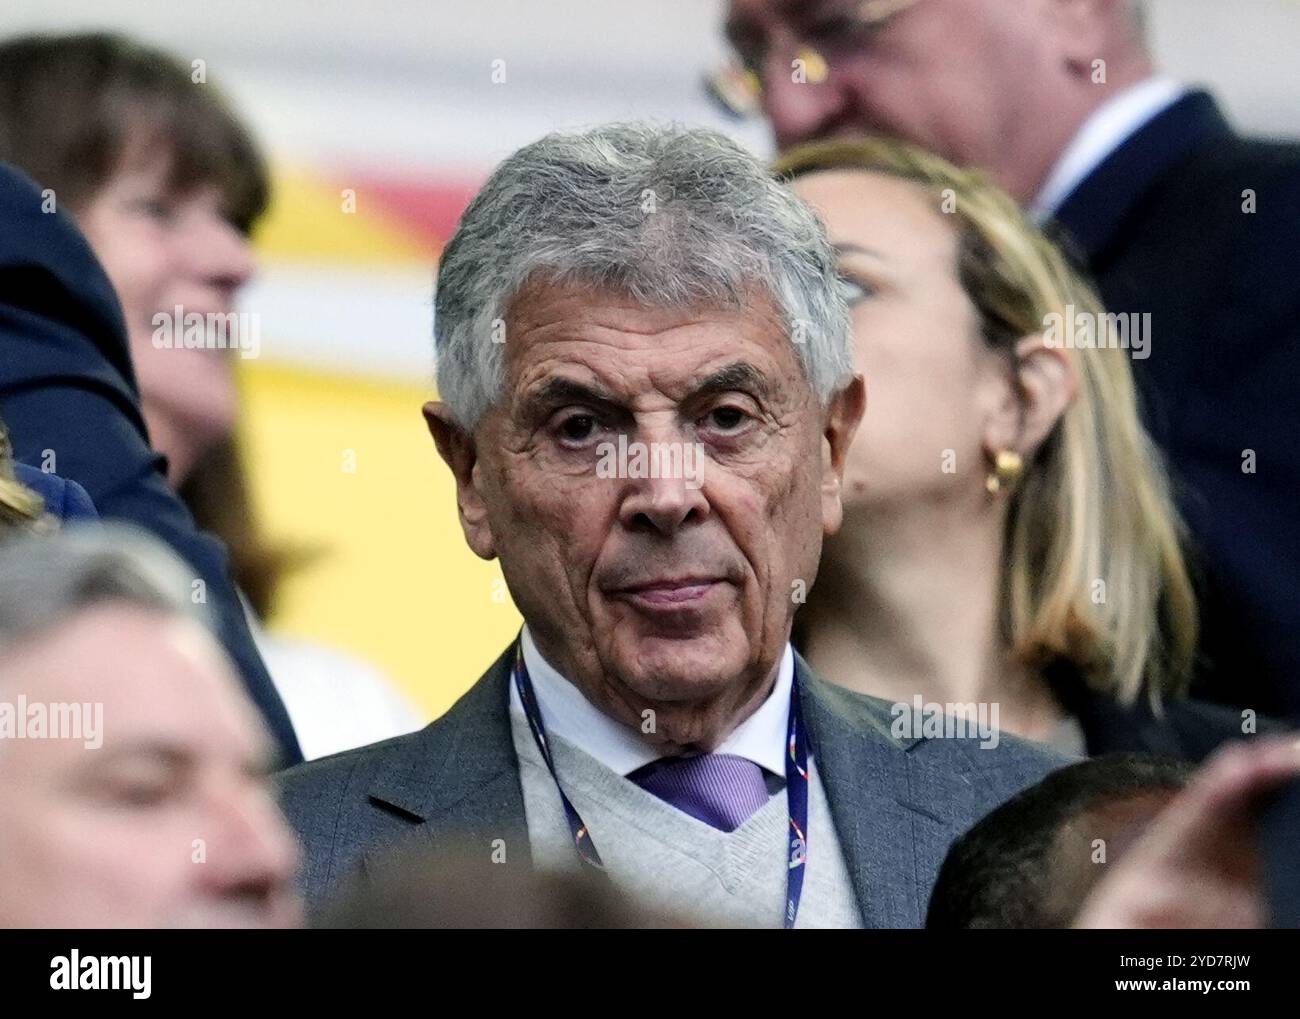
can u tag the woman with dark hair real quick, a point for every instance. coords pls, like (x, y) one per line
(167, 184)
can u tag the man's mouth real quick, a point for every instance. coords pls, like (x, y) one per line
(669, 592)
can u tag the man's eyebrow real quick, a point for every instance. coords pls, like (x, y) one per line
(741, 375)
(557, 391)
(260, 764)
(738, 376)
(165, 753)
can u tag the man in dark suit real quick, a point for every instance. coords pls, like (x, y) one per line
(1175, 214)
(68, 397)
(645, 369)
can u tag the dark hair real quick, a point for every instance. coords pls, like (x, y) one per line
(75, 108)
(1006, 871)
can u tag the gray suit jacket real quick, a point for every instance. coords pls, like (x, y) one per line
(897, 804)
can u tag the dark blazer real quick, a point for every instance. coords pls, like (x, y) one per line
(1160, 223)
(1190, 730)
(897, 804)
(1185, 728)
(67, 386)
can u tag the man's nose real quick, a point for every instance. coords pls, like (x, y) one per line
(251, 850)
(799, 110)
(669, 501)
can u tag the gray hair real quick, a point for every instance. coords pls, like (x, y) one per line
(46, 579)
(669, 216)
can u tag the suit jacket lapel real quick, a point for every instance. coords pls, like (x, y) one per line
(462, 780)
(879, 799)
(1095, 211)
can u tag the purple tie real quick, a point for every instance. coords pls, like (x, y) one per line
(721, 790)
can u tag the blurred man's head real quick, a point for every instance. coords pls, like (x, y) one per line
(132, 789)
(998, 84)
(646, 372)
(1032, 862)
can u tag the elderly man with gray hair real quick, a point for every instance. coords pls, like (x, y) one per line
(644, 365)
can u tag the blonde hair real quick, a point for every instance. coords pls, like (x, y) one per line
(20, 507)
(1094, 574)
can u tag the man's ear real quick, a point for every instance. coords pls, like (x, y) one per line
(1045, 385)
(457, 448)
(842, 420)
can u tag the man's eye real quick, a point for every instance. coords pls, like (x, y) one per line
(144, 796)
(138, 795)
(577, 428)
(727, 419)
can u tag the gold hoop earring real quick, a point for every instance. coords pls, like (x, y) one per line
(1007, 468)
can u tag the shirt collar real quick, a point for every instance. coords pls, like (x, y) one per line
(1105, 130)
(568, 714)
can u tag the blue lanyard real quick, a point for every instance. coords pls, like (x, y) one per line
(796, 789)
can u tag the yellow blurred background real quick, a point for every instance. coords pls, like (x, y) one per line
(342, 462)
(348, 466)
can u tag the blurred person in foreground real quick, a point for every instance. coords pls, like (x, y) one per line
(167, 185)
(1033, 861)
(132, 767)
(655, 453)
(1176, 215)
(1009, 537)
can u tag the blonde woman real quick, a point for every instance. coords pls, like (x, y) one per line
(1009, 537)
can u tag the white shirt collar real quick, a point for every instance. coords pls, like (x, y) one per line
(1105, 130)
(568, 714)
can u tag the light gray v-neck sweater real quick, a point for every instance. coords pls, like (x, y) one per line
(670, 860)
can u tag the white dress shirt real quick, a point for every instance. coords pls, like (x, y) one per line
(1108, 127)
(567, 713)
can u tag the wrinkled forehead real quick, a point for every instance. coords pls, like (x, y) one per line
(600, 336)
